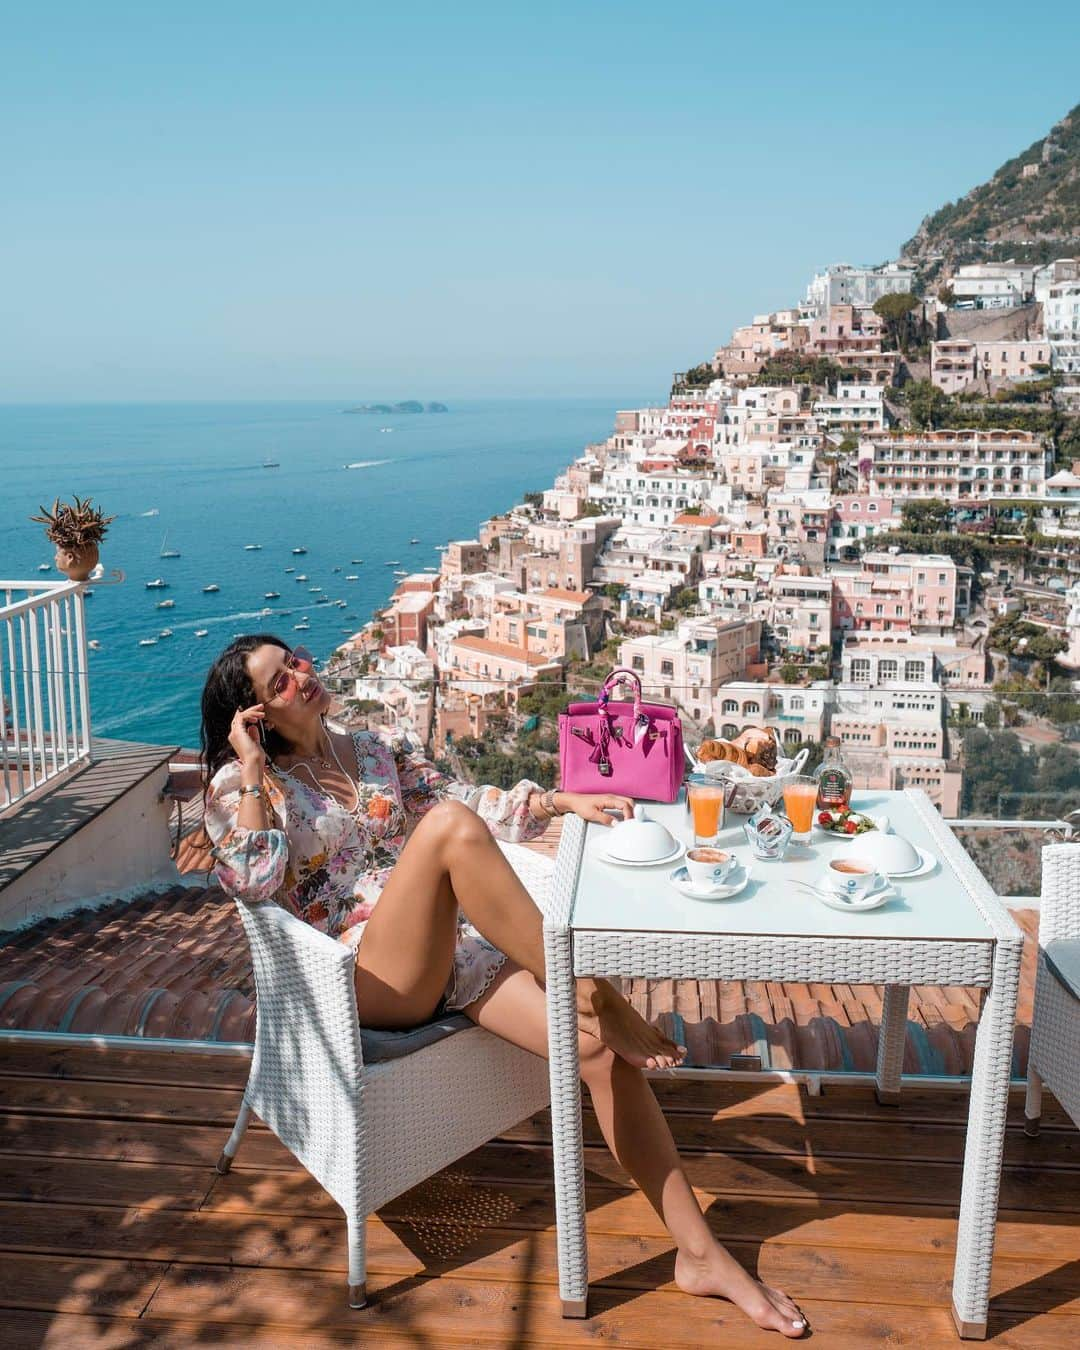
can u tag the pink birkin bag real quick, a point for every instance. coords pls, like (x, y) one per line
(632, 748)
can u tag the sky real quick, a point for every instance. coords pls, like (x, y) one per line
(261, 201)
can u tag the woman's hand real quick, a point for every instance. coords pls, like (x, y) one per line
(594, 806)
(244, 739)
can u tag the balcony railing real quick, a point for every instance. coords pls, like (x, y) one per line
(44, 690)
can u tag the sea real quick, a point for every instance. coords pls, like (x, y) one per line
(354, 490)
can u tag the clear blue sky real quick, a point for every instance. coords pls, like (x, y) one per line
(239, 200)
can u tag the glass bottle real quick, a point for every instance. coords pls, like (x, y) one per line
(833, 778)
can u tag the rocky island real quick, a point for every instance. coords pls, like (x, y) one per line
(409, 406)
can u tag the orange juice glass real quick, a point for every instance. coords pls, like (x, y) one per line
(800, 798)
(706, 808)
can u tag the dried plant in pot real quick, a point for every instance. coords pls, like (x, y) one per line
(77, 529)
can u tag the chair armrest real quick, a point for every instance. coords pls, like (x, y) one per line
(1059, 910)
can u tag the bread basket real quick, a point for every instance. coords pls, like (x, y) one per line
(753, 792)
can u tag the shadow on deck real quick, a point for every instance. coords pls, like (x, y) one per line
(116, 1230)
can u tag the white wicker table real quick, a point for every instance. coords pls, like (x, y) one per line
(947, 928)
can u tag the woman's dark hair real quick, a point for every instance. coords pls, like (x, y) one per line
(228, 687)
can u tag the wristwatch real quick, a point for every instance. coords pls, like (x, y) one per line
(547, 801)
(252, 790)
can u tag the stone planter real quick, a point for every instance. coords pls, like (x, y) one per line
(76, 563)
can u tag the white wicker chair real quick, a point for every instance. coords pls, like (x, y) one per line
(368, 1132)
(1054, 1057)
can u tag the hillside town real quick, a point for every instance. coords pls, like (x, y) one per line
(860, 519)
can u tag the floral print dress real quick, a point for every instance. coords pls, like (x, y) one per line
(328, 865)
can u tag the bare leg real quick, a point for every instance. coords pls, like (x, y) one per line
(404, 960)
(638, 1135)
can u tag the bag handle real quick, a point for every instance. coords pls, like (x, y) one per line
(621, 675)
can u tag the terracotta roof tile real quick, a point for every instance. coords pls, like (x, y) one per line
(174, 964)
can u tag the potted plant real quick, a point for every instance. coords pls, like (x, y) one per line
(76, 528)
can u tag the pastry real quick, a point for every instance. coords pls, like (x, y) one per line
(760, 770)
(708, 751)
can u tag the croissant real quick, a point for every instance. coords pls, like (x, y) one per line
(726, 750)
(760, 770)
(759, 745)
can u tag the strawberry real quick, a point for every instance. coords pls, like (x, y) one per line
(824, 819)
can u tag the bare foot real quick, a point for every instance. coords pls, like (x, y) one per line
(625, 1031)
(719, 1275)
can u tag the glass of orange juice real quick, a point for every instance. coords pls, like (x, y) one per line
(800, 797)
(707, 809)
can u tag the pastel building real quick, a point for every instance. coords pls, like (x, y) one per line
(855, 409)
(686, 666)
(797, 713)
(958, 465)
(800, 612)
(843, 284)
(864, 601)
(480, 662)
(852, 338)
(858, 518)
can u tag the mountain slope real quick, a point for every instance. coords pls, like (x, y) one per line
(1029, 210)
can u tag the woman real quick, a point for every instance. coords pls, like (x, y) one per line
(316, 820)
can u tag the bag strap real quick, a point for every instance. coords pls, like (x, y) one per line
(620, 675)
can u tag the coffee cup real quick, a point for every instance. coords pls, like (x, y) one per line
(708, 867)
(853, 877)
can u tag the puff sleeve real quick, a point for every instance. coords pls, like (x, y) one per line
(250, 864)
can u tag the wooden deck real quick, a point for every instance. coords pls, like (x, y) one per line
(117, 1231)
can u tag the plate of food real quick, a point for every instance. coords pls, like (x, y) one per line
(844, 823)
(754, 760)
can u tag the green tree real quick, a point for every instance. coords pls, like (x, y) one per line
(535, 499)
(818, 672)
(614, 590)
(926, 404)
(996, 766)
(926, 517)
(896, 311)
(789, 673)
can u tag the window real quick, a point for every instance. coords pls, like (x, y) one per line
(913, 670)
(751, 709)
(729, 706)
(797, 703)
(667, 668)
(637, 663)
(729, 731)
(855, 506)
(888, 670)
(871, 506)
(860, 669)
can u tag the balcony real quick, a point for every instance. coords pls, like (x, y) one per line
(127, 1033)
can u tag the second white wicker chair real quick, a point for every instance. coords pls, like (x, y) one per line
(1054, 1056)
(369, 1131)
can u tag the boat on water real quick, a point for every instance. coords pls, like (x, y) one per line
(340, 603)
(335, 569)
(201, 632)
(148, 642)
(290, 569)
(165, 604)
(167, 552)
(299, 550)
(211, 589)
(252, 548)
(165, 632)
(323, 600)
(392, 562)
(352, 577)
(400, 572)
(314, 589)
(271, 595)
(152, 512)
(356, 561)
(386, 430)
(301, 627)
(94, 645)
(300, 576)
(266, 610)
(271, 464)
(431, 569)
(158, 584)
(44, 567)
(414, 541)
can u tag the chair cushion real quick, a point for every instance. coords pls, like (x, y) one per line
(379, 1045)
(1063, 961)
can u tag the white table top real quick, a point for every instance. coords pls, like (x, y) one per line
(640, 899)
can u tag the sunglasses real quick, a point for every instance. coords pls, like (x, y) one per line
(284, 686)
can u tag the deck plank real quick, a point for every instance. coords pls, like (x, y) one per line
(116, 1231)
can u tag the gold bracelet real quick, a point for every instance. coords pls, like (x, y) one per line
(547, 801)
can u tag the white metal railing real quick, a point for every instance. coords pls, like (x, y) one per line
(44, 688)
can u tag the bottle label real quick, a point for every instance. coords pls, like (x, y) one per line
(832, 788)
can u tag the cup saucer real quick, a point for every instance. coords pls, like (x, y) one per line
(733, 883)
(829, 895)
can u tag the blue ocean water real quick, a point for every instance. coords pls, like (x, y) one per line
(195, 472)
